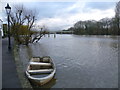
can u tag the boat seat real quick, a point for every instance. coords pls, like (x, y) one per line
(40, 63)
(37, 59)
(46, 60)
(40, 71)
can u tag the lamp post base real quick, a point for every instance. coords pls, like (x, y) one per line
(9, 47)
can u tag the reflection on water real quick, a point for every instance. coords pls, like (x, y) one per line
(48, 85)
(81, 61)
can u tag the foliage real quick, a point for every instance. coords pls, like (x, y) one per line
(105, 26)
(22, 21)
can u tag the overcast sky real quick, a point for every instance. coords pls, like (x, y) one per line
(57, 15)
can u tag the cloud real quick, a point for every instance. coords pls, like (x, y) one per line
(54, 23)
(59, 0)
(62, 15)
(67, 17)
(100, 5)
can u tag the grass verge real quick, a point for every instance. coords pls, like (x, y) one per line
(19, 66)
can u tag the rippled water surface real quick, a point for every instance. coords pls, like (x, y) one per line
(81, 61)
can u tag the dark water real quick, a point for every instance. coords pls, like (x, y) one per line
(81, 61)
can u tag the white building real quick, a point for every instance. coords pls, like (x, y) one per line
(1, 27)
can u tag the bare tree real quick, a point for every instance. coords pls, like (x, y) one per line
(117, 16)
(23, 18)
(42, 32)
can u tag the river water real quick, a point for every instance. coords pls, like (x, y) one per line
(81, 61)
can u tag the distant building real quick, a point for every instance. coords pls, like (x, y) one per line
(4, 29)
(1, 28)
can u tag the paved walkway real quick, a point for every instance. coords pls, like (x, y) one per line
(9, 73)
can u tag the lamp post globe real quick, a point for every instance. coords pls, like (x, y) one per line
(8, 10)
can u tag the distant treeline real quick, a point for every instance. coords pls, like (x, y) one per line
(64, 32)
(105, 26)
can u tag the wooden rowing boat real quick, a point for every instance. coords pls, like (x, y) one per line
(40, 70)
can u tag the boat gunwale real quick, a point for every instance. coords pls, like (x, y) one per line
(43, 78)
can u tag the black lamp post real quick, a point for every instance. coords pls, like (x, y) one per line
(8, 10)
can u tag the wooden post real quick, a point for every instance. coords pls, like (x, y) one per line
(48, 34)
(54, 35)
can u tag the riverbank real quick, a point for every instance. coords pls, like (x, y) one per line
(20, 68)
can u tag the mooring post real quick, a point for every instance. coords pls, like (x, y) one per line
(54, 35)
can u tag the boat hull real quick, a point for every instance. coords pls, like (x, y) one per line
(41, 80)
